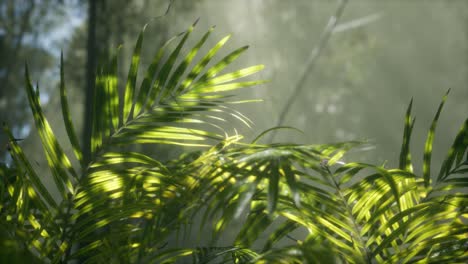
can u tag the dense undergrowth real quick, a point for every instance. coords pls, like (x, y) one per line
(125, 206)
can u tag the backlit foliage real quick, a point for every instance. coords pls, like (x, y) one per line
(125, 206)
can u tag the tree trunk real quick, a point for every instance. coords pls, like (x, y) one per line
(90, 79)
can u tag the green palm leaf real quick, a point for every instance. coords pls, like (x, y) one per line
(128, 205)
(405, 155)
(455, 153)
(131, 79)
(59, 163)
(429, 142)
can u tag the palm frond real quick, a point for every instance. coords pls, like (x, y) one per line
(429, 142)
(405, 155)
(365, 213)
(309, 204)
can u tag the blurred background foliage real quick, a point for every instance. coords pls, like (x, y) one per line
(24, 26)
(357, 89)
(381, 54)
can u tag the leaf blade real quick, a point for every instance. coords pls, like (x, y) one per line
(405, 155)
(429, 143)
(129, 93)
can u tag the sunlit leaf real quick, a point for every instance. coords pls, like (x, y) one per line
(257, 221)
(197, 69)
(58, 162)
(131, 79)
(405, 155)
(456, 151)
(429, 143)
(150, 73)
(176, 76)
(284, 229)
(112, 96)
(158, 88)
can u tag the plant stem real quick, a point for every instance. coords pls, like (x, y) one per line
(311, 61)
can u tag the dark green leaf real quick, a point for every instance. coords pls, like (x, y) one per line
(405, 155)
(429, 143)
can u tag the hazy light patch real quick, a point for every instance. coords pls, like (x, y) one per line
(301, 119)
(340, 133)
(21, 131)
(355, 119)
(45, 98)
(3, 102)
(319, 108)
(62, 32)
(335, 97)
(24, 131)
(6, 159)
(288, 15)
(277, 61)
(331, 109)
